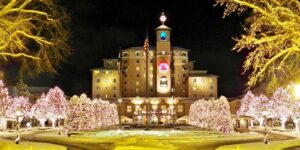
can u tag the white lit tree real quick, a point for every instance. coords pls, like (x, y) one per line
(40, 109)
(58, 105)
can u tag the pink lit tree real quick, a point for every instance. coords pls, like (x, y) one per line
(40, 109)
(282, 104)
(58, 105)
(211, 114)
(19, 108)
(84, 114)
(5, 100)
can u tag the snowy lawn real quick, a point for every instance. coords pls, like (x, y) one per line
(154, 139)
(275, 145)
(10, 145)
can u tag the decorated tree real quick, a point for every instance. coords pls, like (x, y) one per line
(58, 105)
(282, 105)
(84, 114)
(211, 114)
(19, 109)
(34, 33)
(5, 100)
(271, 37)
(40, 109)
(22, 89)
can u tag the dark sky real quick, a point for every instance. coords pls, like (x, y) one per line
(101, 27)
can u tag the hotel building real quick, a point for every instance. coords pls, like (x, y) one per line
(156, 83)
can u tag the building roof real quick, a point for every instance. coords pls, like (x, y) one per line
(163, 27)
(152, 48)
(200, 73)
(97, 69)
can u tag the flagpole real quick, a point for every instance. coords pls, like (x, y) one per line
(146, 48)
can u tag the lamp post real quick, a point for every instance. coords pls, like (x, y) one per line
(120, 123)
(18, 114)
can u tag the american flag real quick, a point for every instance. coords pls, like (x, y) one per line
(146, 45)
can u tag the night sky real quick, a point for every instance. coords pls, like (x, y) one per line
(101, 27)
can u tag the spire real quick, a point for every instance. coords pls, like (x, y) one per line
(146, 43)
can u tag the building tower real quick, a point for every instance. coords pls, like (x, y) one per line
(163, 59)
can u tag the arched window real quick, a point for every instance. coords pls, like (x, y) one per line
(163, 81)
(163, 36)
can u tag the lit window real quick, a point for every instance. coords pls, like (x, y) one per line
(210, 80)
(106, 80)
(180, 108)
(194, 88)
(137, 68)
(163, 81)
(163, 107)
(163, 36)
(129, 109)
(137, 83)
(163, 52)
(151, 68)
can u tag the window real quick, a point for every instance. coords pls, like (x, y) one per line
(211, 88)
(125, 82)
(98, 96)
(98, 88)
(137, 53)
(184, 61)
(125, 54)
(195, 80)
(106, 80)
(163, 36)
(114, 95)
(137, 83)
(115, 80)
(98, 80)
(137, 90)
(137, 75)
(163, 52)
(183, 54)
(137, 68)
(125, 75)
(183, 82)
(114, 88)
(129, 108)
(125, 61)
(194, 88)
(183, 75)
(151, 61)
(180, 108)
(125, 89)
(163, 81)
(163, 107)
(137, 61)
(211, 95)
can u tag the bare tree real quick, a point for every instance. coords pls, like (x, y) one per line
(272, 37)
(33, 33)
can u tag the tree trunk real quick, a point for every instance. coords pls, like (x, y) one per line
(53, 120)
(252, 122)
(261, 121)
(296, 121)
(42, 122)
(282, 121)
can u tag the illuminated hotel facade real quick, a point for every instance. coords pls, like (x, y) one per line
(159, 91)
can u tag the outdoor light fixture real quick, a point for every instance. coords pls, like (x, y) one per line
(163, 18)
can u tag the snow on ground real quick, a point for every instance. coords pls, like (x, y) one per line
(11, 145)
(273, 145)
